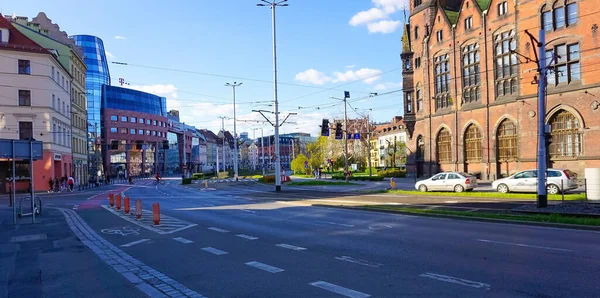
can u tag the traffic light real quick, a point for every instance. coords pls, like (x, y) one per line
(339, 133)
(325, 128)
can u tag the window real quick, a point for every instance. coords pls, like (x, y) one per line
(506, 64)
(418, 2)
(471, 74)
(123, 130)
(417, 33)
(507, 141)
(25, 130)
(417, 62)
(444, 146)
(154, 122)
(408, 102)
(123, 118)
(559, 16)
(407, 64)
(468, 23)
(114, 118)
(154, 133)
(141, 132)
(148, 121)
(572, 14)
(439, 35)
(566, 67)
(54, 133)
(147, 132)
(419, 93)
(53, 101)
(113, 130)
(565, 136)
(473, 139)
(25, 98)
(442, 82)
(68, 111)
(502, 8)
(64, 109)
(24, 67)
(141, 121)
(132, 119)
(52, 73)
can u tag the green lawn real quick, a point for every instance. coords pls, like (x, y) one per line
(318, 183)
(549, 218)
(303, 176)
(481, 194)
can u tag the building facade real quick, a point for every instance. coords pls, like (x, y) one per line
(470, 85)
(97, 74)
(48, 35)
(35, 105)
(133, 127)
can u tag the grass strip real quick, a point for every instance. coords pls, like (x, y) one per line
(483, 194)
(318, 183)
(546, 218)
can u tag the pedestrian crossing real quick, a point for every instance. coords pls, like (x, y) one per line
(167, 225)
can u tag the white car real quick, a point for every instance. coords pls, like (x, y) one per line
(557, 181)
(448, 181)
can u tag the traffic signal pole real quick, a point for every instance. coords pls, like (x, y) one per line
(345, 134)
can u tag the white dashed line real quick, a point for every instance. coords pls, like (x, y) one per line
(75, 207)
(247, 237)
(135, 242)
(218, 230)
(335, 223)
(456, 280)
(524, 245)
(214, 251)
(246, 210)
(264, 267)
(292, 247)
(359, 261)
(339, 290)
(183, 240)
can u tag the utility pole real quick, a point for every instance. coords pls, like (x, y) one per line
(345, 130)
(293, 151)
(223, 129)
(184, 153)
(273, 5)
(235, 148)
(262, 150)
(369, 145)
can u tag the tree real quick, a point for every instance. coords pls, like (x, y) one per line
(397, 153)
(316, 152)
(298, 164)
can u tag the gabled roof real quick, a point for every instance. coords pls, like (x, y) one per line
(452, 16)
(209, 135)
(484, 4)
(17, 41)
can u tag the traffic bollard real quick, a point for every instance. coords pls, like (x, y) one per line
(156, 213)
(205, 183)
(111, 199)
(118, 202)
(392, 183)
(138, 209)
(127, 206)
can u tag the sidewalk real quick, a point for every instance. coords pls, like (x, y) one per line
(47, 260)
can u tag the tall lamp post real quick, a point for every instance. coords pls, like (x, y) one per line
(272, 5)
(235, 141)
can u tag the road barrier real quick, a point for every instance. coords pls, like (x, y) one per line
(156, 213)
(111, 199)
(118, 202)
(138, 209)
(127, 206)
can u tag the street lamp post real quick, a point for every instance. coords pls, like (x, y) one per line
(272, 5)
(235, 148)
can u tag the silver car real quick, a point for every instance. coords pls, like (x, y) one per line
(557, 181)
(448, 181)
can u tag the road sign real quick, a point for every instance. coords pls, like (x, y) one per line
(356, 136)
(306, 164)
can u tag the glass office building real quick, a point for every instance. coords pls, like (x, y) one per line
(118, 98)
(97, 75)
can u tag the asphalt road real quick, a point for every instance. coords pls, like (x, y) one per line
(243, 240)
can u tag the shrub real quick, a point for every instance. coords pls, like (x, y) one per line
(186, 181)
(396, 173)
(198, 176)
(268, 179)
(358, 178)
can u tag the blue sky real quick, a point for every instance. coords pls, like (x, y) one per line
(321, 44)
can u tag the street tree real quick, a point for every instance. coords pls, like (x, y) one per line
(298, 164)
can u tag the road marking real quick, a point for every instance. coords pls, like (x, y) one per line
(379, 227)
(359, 261)
(75, 207)
(247, 237)
(264, 267)
(135, 242)
(451, 202)
(214, 251)
(335, 223)
(183, 240)
(218, 230)
(339, 290)
(524, 245)
(246, 210)
(292, 247)
(456, 280)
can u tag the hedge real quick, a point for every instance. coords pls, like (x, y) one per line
(358, 178)
(198, 176)
(186, 181)
(396, 173)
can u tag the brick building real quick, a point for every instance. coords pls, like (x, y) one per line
(470, 85)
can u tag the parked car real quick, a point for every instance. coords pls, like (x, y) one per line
(448, 181)
(557, 181)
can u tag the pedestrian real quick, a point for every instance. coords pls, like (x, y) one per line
(50, 185)
(319, 173)
(71, 183)
(56, 184)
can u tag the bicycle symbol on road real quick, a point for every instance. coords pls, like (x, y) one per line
(123, 231)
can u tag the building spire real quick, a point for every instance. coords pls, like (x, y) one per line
(406, 47)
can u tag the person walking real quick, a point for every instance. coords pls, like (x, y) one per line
(71, 183)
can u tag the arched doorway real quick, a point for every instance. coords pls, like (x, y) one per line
(473, 146)
(506, 147)
(566, 138)
(420, 156)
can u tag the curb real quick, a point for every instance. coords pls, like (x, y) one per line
(478, 219)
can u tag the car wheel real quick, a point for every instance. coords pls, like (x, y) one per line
(459, 188)
(552, 189)
(423, 187)
(502, 188)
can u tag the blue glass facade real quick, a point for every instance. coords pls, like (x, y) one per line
(132, 100)
(97, 75)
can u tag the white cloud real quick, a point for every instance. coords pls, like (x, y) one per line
(390, 6)
(387, 85)
(109, 55)
(367, 16)
(350, 66)
(313, 76)
(119, 37)
(368, 75)
(385, 26)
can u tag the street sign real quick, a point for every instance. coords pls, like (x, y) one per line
(356, 136)
(306, 164)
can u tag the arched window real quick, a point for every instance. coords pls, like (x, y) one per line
(444, 146)
(507, 140)
(565, 135)
(420, 155)
(416, 32)
(473, 140)
(560, 15)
